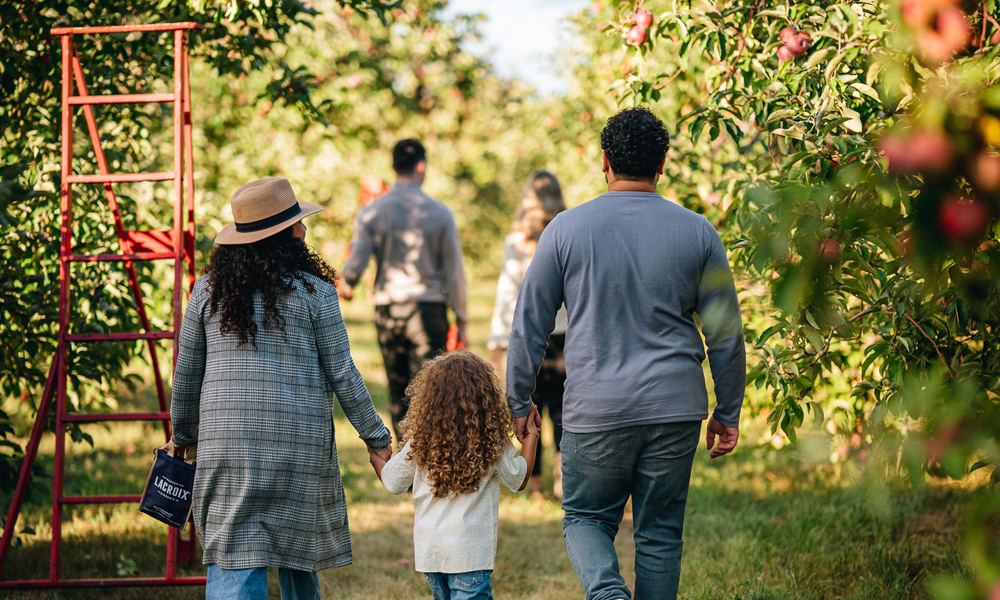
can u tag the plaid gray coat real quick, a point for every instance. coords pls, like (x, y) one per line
(267, 491)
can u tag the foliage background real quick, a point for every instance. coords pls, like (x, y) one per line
(885, 356)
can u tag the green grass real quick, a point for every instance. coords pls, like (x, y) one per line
(761, 525)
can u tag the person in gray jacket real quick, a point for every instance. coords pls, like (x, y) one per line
(633, 270)
(419, 272)
(261, 353)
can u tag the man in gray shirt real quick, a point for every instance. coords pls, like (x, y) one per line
(633, 270)
(419, 272)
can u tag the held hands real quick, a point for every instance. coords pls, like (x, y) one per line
(532, 423)
(384, 454)
(378, 458)
(521, 423)
(728, 436)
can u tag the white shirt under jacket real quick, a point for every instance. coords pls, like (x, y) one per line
(456, 534)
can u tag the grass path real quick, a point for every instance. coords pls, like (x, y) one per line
(760, 525)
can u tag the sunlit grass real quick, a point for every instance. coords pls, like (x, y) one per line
(760, 525)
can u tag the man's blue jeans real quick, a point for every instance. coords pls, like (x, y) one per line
(474, 585)
(650, 463)
(251, 584)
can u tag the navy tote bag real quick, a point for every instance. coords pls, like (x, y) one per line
(168, 492)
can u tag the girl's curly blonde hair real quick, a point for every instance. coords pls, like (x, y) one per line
(458, 422)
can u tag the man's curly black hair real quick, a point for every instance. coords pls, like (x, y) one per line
(271, 266)
(635, 141)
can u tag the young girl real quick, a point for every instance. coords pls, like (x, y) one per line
(457, 452)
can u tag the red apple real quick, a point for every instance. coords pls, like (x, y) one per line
(643, 19)
(964, 219)
(787, 33)
(986, 172)
(915, 12)
(995, 592)
(930, 150)
(784, 54)
(829, 250)
(636, 35)
(948, 34)
(922, 150)
(798, 44)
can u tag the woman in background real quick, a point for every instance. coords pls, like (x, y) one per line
(541, 201)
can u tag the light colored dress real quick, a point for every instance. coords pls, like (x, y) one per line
(515, 264)
(456, 534)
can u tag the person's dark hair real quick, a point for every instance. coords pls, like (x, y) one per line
(405, 156)
(270, 266)
(635, 141)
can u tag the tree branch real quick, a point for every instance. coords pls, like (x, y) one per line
(933, 343)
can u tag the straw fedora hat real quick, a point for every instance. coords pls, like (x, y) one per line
(261, 209)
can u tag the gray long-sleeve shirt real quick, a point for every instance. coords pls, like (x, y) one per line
(417, 253)
(633, 269)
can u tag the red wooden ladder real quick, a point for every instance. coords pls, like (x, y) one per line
(176, 244)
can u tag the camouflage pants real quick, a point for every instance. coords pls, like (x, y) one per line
(409, 334)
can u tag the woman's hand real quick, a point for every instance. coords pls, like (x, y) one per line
(186, 452)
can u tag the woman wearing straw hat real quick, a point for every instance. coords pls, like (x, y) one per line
(261, 347)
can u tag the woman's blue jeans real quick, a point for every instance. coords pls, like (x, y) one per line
(474, 585)
(251, 584)
(650, 463)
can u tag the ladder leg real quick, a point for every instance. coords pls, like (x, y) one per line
(65, 272)
(30, 453)
(178, 233)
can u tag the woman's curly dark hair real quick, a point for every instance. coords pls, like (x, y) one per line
(635, 141)
(270, 266)
(458, 422)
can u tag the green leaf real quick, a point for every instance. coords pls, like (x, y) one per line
(867, 90)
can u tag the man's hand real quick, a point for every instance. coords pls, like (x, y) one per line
(521, 423)
(497, 359)
(345, 291)
(728, 436)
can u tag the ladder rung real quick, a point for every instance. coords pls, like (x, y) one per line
(99, 499)
(119, 337)
(120, 177)
(125, 28)
(120, 257)
(120, 99)
(100, 418)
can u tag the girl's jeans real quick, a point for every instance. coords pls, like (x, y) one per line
(474, 585)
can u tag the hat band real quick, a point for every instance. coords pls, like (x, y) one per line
(271, 221)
